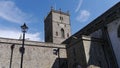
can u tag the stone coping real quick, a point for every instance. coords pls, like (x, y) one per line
(31, 43)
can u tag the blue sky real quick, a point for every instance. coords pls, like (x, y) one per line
(13, 13)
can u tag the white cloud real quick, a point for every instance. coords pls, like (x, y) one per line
(78, 6)
(10, 12)
(34, 37)
(83, 16)
(17, 35)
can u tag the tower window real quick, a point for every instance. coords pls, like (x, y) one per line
(67, 34)
(62, 33)
(61, 18)
(119, 31)
(58, 24)
(65, 25)
(56, 33)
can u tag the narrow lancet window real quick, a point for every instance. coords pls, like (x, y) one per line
(62, 33)
(56, 33)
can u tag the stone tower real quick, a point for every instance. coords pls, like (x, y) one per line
(57, 26)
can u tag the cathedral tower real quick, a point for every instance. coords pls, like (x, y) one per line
(57, 26)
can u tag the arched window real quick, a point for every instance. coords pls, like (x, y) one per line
(62, 33)
(67, 34)
(56, 33)
(119, 31)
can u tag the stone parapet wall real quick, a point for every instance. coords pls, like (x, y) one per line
(37, 54)
(33, 43)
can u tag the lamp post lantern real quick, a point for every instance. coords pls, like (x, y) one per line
(22, 49)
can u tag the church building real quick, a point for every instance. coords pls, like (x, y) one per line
(97, 45)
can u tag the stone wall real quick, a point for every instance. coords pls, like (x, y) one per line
(76, 54)
(115, 40)
(59, 24)
(37, 54)
(54, 23)
(86, 52)
(94, 52)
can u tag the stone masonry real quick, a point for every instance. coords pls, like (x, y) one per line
(37, 54)
(57, 26)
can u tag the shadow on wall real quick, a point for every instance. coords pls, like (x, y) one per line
(60, 63)
(97, 57)
(101, 53)
(12, 48)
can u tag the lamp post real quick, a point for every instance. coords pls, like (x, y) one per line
(22, 49)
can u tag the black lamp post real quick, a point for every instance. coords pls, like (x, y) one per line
(22, 49)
